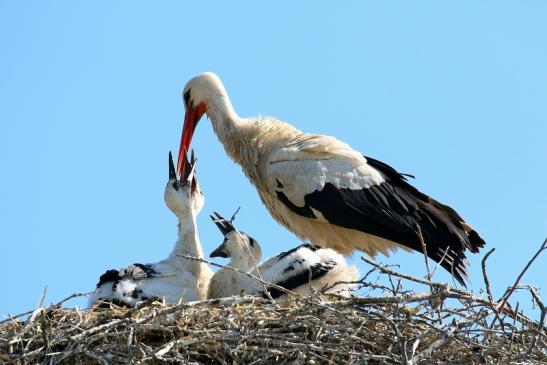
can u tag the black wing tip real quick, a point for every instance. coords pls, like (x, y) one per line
(109, 276)
(461, 275)
(455, 263)
(476, 241)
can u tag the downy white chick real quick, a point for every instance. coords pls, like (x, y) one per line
(174, 278)
(303, 269)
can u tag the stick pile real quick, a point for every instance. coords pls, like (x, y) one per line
(441, 324)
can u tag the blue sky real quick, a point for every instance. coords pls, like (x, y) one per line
(90, 98)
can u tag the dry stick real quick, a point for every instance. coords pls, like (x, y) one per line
(464, 294)
(266, 291)
(43, 298)
(177, 341)
(399, 299)
(166, 310)
(424, 248)
(488, 289)
(385, 270)
(11, 318)
(511, 341)
(511, 290)
(536, 297)
(437, 343)
(398, 333)
(489, 294)
(429, 274)
(485, 277)
(280, 288)
(440, 262)
(173, 353)
(327, 287)
(74, 295)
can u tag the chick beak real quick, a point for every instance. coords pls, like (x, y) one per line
(223, 225)
(220, 251)
(172, 173)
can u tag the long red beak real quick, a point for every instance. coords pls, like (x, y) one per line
(186, 137)
(191, 119)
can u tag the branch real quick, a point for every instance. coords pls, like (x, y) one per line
(280, 288)
(512, 288)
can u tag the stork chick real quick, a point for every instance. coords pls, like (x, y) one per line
(175, 278)
(326, 192)
(303, 269)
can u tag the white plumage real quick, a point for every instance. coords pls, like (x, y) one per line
(302, 270)
(324, 191)
(175, 278)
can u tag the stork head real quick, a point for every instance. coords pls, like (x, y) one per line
(200, 95)
(237, 245)
(183, 196)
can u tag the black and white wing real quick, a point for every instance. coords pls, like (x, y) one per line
(295, 268)
(124, 287)
(325, 180)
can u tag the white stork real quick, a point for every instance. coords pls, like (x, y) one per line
(323, 190)
(300, 269)
(174, 278)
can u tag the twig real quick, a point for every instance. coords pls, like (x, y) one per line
(437, 343)
(464, 294)
(514, 286)
(489, 295)
(485, 277)
(411, 278)
(43, 298)
(255, 265)
(424, 248)
(280, 288)
(503, 301)
(538, 301)
(440, 262)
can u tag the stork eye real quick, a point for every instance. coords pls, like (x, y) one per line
(187, 97)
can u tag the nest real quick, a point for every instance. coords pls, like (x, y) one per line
(441, 324)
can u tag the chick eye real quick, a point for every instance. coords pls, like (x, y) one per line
(175, 185)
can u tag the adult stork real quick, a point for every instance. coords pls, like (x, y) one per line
(323, 190)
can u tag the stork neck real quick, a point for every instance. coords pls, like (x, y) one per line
(227, 125)
(243, 261)
(188, 240)
(236, 135)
